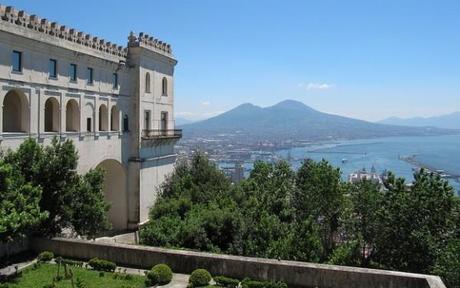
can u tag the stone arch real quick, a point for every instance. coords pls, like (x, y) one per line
(89, 117)
(147, 82)
(103, 118)
(164, 87)
(15, 112)
(51, 115)
(114, 118)
(115, 193)
(72, 114)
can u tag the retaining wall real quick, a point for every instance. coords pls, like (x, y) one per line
(295, 274)
(13, 248)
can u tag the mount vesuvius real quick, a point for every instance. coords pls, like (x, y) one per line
(294, 120)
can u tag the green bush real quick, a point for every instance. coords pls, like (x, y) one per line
(72, 263)
(200, 277)
(45, 256)
(227, 282)
(102, 265)
(253, 284)
(160, 274)
(248, 283)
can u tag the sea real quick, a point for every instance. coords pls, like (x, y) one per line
(434, 152)
(400, 155)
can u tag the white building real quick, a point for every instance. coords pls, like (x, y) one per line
(362, 175)
(115, 103)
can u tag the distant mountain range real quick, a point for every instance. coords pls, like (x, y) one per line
(182, 121)
(448, 121)
(294, 120)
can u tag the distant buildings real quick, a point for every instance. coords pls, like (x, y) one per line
(362, 174)
(236, 173)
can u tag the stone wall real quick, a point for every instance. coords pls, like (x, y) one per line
(13, 248)
(295, 274)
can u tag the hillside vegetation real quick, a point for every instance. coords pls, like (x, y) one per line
(310, 215)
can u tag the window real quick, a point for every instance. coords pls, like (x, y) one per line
(51, 115)
(89, 75)
(72, 115)
(114, 118)
(17, 61)
(15, 112)
(147, 83)
(164, 121)
(146, 120)
(73, 72)
(164, 87)
(103, 118)
(125, 123)
(115, 80)
(53, 68)
(88, 124)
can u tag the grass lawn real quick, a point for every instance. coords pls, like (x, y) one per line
(37, 278)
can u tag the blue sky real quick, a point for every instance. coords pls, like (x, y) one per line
(366, 59)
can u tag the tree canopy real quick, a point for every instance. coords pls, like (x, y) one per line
(310, 215)
(42, 186)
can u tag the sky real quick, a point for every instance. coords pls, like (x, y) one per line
(367, 59)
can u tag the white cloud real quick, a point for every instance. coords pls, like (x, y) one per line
(315, 86)
(206, 103)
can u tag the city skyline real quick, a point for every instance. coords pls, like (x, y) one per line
(367, 60)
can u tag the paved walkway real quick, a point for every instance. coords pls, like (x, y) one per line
(127, 238)
(10, 270)
(178, 280)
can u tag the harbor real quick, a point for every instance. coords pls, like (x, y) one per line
(412, 160)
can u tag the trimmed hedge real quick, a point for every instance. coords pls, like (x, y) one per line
(160, 274)
(102, 265)
(45, 256)
(248, 283)
(227, 282)
(200, 278)
(72, 262)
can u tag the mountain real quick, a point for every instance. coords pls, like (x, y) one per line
(182, 121)
(448, 121)
(294, 120)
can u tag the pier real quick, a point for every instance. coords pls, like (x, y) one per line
(441, 172)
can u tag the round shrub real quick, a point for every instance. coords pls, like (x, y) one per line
(45, 256)
(102, 265)
(200, 277)
(160, 274)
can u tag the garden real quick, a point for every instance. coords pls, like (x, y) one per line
(56, 272)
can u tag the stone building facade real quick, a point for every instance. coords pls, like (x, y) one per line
(116, 104)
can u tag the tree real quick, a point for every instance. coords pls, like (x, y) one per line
(320, 196)
(414, 221)
(306, 242)
(66, 196)
(361, 221)
(88, 207)
(199, 180)
(267, 210)
(19, 205)
(195, 210)
(448, 263)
